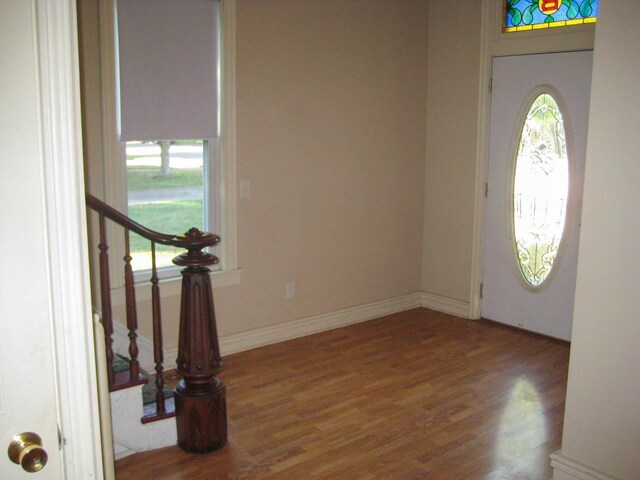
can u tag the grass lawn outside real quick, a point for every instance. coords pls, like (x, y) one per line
(166, 217)
(171, 216)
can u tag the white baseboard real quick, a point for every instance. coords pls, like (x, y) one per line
(565, 468)
(260, 337)
(444, 304)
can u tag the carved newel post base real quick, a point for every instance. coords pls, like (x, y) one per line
(201, 419)
(201, 412)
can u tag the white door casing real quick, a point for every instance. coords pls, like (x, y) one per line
(516, 80)
(47, 365)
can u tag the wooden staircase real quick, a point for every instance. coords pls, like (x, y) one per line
(198, 402)
(135, 425)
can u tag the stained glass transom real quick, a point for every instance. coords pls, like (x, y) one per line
(540, 189)
(535, 14)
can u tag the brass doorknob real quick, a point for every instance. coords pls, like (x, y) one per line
(26, 450)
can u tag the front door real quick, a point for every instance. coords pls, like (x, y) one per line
(539, 120)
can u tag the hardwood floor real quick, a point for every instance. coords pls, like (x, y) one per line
(416, 395)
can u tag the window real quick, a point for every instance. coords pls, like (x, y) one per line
(167, 191)
(540, 189)
(519, 15)
(140, 119)
(168, 92)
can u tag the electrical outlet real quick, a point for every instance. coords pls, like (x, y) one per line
(245, 188)
(289, 290)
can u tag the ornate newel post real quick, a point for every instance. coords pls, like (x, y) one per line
(201, 413)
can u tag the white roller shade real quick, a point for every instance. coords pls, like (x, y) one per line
(167, 53)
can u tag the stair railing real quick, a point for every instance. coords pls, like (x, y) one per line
(200, 402)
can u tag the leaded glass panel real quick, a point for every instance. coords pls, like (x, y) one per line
(540, 189)
(535, 14)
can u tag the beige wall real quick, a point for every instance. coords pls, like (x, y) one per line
(335, 136)
(91, 105)
(452, 118)
(602, 418)
(331, 132)
(89, 45)
(331, 122)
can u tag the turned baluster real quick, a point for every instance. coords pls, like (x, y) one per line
(132, 317)
(200, 395)
(158, 356)
(105, 299)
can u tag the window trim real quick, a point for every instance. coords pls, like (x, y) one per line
(114, 174)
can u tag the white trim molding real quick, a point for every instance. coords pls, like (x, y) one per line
(260, 337)
(172, 287)
(565, 468)
(104, 400)
(443, 304)
(67, 232)
(114, 175)
(228, 198)
(481, 161)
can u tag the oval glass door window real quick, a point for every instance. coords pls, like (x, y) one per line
(540, 189)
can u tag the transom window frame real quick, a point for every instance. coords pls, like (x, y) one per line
(223, 189)
(560, 24)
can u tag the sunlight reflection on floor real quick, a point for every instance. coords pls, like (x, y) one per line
(522, 428)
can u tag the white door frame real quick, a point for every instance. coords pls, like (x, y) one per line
(493, 44)
(482, 158)
(58, 77)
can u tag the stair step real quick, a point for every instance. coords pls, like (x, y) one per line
(122, 378)
(151, 414)
(121, 370)
(171, 379)
(149, 392)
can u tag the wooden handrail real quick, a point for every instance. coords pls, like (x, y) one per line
(200, 398)
(189, 242)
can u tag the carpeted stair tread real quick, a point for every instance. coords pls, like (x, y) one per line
(149, 392)
(121, 364)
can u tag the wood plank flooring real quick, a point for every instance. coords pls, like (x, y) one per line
(416, 395)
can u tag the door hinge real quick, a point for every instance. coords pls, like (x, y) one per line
(481, 290)
(486, 190)
(490, 86)
(61, 439)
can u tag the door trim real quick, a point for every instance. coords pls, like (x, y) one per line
(482, 159)
(66, 241)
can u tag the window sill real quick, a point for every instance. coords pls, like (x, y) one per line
(172, 286)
